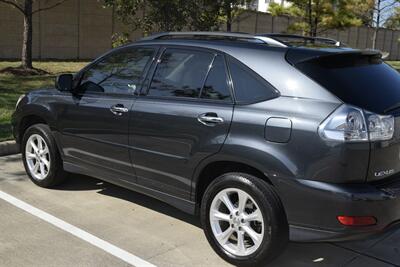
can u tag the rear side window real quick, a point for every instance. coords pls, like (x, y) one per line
(361, 80)
(216, 86)
(180, 73)
(120, 72)
(249, 87)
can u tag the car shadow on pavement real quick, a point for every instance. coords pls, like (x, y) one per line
(82, 182)
(352, 254)
(13, 158)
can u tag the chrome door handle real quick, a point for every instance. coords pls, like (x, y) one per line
(210, 119)
(118, 109)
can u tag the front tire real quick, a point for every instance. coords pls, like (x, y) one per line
(42, 161)
(244, 220)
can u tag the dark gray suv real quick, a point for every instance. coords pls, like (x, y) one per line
(267, 141)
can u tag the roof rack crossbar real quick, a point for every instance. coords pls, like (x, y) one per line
(305, 38)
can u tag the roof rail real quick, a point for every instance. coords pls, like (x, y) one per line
(282, 38)
(216, 35)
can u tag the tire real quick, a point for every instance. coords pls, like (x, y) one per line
(271, 237)
(52, 173)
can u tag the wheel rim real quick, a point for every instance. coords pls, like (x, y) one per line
(237, 222)
(37, 157)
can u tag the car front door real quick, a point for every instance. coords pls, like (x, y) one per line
(182, 116)
(94, 128)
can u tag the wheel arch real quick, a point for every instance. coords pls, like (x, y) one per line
(213, 169)
(31, 115)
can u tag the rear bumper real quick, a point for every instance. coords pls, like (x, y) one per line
(304, 234)
(312, 208)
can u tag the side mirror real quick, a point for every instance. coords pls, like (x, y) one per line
(64, 82)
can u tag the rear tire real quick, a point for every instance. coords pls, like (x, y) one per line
(41, 158)
(253, 230)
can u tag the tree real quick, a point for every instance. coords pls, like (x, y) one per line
(363, 10)
(380, 10)
(151, 15)
(317, 16)
(276, 9)
(168, 15)
(209, 14)
(127, 12)
(175, 15)
(393, 22)
(229, 9)
(25, 7)
(202, 15)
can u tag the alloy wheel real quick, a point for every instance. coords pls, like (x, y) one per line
(237, 222)
(37, 157)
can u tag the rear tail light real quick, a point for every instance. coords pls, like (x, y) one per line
(357, 220)
(380, 127)
(351, 124)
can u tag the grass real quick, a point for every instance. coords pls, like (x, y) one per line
(12, 86)
(395, 64)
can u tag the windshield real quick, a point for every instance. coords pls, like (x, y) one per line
(361, 80)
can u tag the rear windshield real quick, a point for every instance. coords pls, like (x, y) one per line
(361, 80)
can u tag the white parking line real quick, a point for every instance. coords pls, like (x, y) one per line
(104, 245)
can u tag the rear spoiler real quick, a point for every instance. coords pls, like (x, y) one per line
(299, 55)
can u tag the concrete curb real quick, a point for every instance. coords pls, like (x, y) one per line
(9, 148)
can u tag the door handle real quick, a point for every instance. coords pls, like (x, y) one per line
(118, 109)
(210, 119)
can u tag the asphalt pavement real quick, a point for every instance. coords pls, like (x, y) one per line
(88, 222)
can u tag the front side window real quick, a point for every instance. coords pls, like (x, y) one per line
(180, 73)
(120, 73)
(249, 87)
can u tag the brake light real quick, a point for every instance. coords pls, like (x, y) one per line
(357, 220)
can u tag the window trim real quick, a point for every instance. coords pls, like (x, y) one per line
(207, 73)
(152, 70)
(79, 75)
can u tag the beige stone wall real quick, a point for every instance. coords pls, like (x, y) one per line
(82, 29)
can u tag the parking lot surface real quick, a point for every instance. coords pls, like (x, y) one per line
(138, 225)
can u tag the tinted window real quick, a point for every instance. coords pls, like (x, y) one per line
(120, 72)
(249, 87)
(216, 86)
(180, 73)
(363, 81)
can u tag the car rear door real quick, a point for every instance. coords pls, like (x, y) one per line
(183, 116)
(94, 126)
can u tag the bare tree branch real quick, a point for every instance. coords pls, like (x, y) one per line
(14, 4)
(49, 7)
(389, 5)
